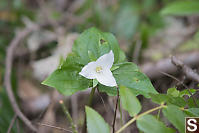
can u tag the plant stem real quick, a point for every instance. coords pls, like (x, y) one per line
(90, 101)
(113, 126)
(158, 115)
(68, 116)
(138, 116)
(121, 115)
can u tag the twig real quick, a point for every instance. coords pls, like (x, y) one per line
(185, 69)
(68, 116)
(12, 123)
(7, 81)
(18, 126)
(55, 127)
(74, 104)
(165, 65)
(136, 52)
(115, 113)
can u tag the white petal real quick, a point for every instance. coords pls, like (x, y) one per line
(88, 71)
(106, 60)
(106, 78)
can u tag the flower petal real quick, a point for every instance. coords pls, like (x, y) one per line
(88, 71)
(106, 78)
(106, 60)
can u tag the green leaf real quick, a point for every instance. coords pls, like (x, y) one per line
(163, 98)
(173, 92)
(129, 76)
(159, 98)
(175, 116)
(186, 92)
(191, 103)
(181, 8)
(67, 79)
(192, 112)
(111, 91)
(95, 123)
(127, 21)
(149, 124)
(93, 43)
(129, 101)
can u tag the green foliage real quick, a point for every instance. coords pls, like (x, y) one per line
(173, 92)
(95, 123)
(192, 103)
(168, 99)
(96, 42)
(191, 44)
(149, 124)
(89, 46)
(129, 101)
(6, 113)
(67, 79)
(127, 21)
(193, 112)
(181, 8)
(129, 76)
(187, 92)
(175, 116)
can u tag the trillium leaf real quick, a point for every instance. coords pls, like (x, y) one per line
(95, 123)
(111, 91)
(67, 79)
(129, 101)
(89, 46)
(175, 116)
(129, 76)
(96, 42)
(149, 124)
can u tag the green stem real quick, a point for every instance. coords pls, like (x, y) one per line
(90, 100)
(158, 115)
(138, 116)
(68, 116)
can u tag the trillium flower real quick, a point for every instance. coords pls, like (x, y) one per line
(100, 70)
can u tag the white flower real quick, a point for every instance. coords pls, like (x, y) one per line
(100, 70)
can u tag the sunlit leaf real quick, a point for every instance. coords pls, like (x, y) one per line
(129, 101)
(95, 123)
(149, 124)
(175, 116)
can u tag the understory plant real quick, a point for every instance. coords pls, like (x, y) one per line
(97, 62)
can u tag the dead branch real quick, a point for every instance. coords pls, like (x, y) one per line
(7, 81)
(185, 69)
(152, 70)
